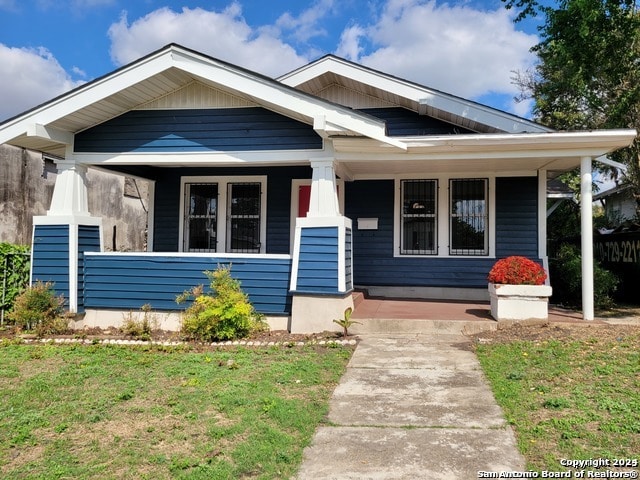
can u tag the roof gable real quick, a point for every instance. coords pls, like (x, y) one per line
(162, 74)
(356, 86)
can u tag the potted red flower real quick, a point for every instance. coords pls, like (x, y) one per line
(517, 289)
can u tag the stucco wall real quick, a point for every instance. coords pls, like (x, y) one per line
(26, 187)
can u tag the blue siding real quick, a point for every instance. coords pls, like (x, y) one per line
(517, 217)
(196, 130)
(403, 122)
(318, 261)
(88, 241)
(167, 204)
(374, 263)
(130, 281)
(348, 259)
(51, 256)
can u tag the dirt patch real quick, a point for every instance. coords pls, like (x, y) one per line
(545, 331)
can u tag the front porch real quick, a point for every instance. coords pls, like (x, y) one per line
(392, 315)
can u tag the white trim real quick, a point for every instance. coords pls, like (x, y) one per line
(73, 268)
(586, 234)
(442, 216)
(222, 214)
(267, 256)
(542, 214)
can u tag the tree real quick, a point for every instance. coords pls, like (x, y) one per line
(588, 75)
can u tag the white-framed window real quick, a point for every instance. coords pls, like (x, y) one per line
(468, 216)
(223, 214)
(444, 216)
(418, 225)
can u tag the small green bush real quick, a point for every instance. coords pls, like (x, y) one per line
(566, 279)
(225, 314)
(38, 308)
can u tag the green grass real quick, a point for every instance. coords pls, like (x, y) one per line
(569, 399)
(149, 412)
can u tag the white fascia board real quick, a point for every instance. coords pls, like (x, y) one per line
(480, 113)
(83, 96)
(424, 96)
(538, 145)
(194, 159)
(281, 98)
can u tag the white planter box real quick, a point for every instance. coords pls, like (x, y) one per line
(519, 302)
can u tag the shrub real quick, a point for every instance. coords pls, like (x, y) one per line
(566, 271)
(517, 271)
(140, 326)
(38, 308)
(223, 315)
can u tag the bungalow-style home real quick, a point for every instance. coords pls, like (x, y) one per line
(332, 177)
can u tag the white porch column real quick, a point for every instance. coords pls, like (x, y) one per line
(61, 237)
(586, 213)
(70, 191)
(324, 194)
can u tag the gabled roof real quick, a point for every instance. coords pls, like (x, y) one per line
(51, 125)
(331, 71)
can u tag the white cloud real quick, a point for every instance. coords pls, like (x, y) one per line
(307, 25)
(30, 77)
(224, 35)
(349, 46)
(456, 49)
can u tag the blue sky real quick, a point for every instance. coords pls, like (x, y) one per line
(467, 48)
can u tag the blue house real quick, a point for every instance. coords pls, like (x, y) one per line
(332, 177)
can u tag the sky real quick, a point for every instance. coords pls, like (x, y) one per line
(469, 48)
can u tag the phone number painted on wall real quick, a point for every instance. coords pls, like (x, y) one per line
(618, 250)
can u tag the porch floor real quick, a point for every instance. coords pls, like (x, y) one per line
(377, 314)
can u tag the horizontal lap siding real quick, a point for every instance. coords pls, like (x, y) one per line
(51, 256)
(194, 130)
(130, 281)
(403, 122)
(517, 217)
(88, 241)
(374, 263)
(318, 260)
(348, 259)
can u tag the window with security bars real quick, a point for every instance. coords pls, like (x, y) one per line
(243, 217)
(201, 217)
(418, 217)
(469, 217)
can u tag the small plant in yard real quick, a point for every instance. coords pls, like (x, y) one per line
(38, 308)
(345, 322)
(517, 270)
(224, 314)
(140, 326)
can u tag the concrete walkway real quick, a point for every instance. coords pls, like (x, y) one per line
(412, 406)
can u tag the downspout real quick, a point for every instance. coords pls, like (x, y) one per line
(586, 230)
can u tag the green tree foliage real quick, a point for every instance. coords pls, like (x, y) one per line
(588, 74)
(14, 265)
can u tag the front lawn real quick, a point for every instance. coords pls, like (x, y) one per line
(570, 393)
(99, 411)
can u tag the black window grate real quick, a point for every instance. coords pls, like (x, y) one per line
(469, 217)
(418, 232)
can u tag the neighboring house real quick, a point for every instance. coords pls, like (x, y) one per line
(332, 177)
(619, 204)
(27, 179)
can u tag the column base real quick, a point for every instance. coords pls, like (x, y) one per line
(315, 313)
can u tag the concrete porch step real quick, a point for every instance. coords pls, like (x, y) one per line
(420, 326)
